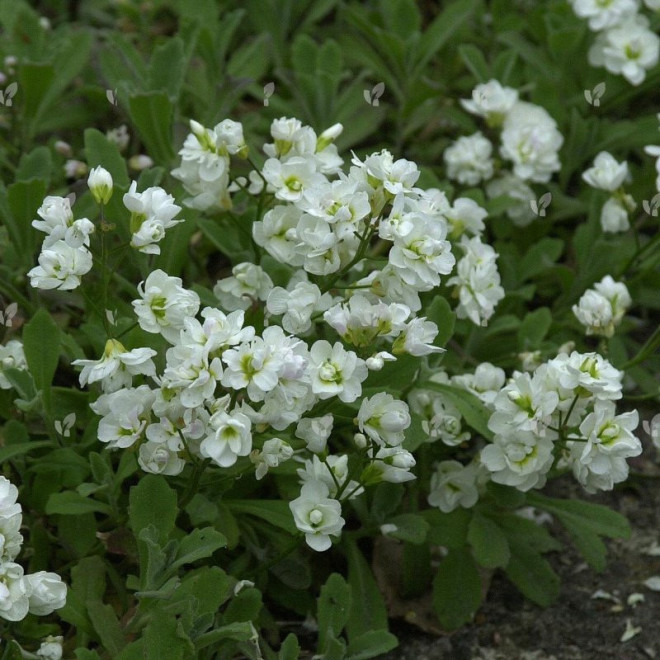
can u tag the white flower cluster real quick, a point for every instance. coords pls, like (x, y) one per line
(65, 256)
(624, 44)
(529, 140)
(562, 415)
(39, 593)
(601, 309)
(609, 175)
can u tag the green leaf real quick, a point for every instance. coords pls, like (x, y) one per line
(473, 411)
(489, 544)
(276, 512)
(456, 589)
(210, 586)
(533, 576)
(167, 68)
(35, 165)
(88, 578)
(526, 534)
(198, 544)
(290, 649)
(71, 503)
(540, 257)
(371, 644)
(107, 626)
(586, 522)
(41, 342)
(534, 328)
(152, 502)
(12, 451)
(442, 315)
(240, 631)
(334, 606)
(164, 639)
(367, 611)
(152, 113)
(447, 23)
(23, 200)
(448, 529)
(227, 238)
(401, 17)
(409, 527)
(475, 61)
(245, 606)
(100, 151)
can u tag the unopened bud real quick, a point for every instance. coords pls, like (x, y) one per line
(100, 184)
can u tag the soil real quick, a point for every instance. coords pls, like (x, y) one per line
(577, 626)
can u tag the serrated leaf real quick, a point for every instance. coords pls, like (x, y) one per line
(456, 589)
(152, 502)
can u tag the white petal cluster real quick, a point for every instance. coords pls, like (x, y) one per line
(477, 281)
(601, 309)
(562, 413)
(625, 44)
(152, 213)
(454, 485)
(12, 356)
(469, 160)
(492, 101)
(606, 173)
(64, 256)
(38, 593)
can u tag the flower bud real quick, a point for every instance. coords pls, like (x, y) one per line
(328, 136)
(140, 162)
(100, 185)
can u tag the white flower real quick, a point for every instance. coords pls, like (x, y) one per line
(604, 14)
(54, 212)
(485, 383)
(8, 498)
(247, 284)
(51, 648)
(525, 404)
(126, 414)
(296, 303)
(520, 459)
(152, 212)
(274, 452)
(100, 184)
(10, 536)
(360, 322)
(465, 216)
(591, 372)
(254, 365)
(119, 136)
(230, 436)
(335, 371)
(600, 462)
(530, 140)
(392, 464)
(417, 338)
(60, 267)
(468, 159)
(492, 101)
(478, 281)
(315, 431)
(158, 458)
(165, 304)
(509, 185)
(382, 171)
(629, 49)
(117, 366)
(654, 150)
(332, 471)
(14, 589)
(384, 419)
(423, 254)
(46, 592)
(192, 370)
(206, 195)
(606, 173)
(12, 356)
(602, 308)
(614, 214)
(453, 485)
(318, 516)
(277, 234)
(291, 178)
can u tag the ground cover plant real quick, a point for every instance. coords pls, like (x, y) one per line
(303, 306)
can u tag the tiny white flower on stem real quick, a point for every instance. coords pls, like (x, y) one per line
(230, 436)
(336, 372)
(100, 184)
(317, 516)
